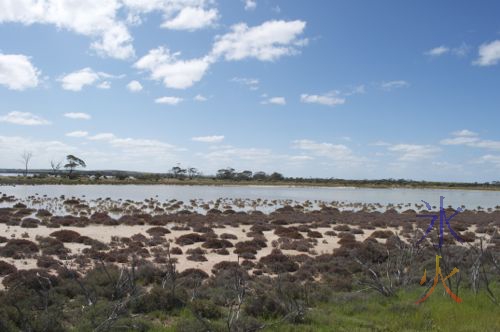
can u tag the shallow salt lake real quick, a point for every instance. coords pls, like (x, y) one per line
(470, 199)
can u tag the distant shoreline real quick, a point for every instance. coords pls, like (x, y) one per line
(11, 180)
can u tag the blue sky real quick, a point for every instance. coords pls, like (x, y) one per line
(347, 89)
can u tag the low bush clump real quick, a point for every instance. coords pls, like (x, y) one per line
(36, 279)
(357, 231)
(217, 244)
(380, 234)
(222, 251)
(15, 248)
(277, 262)
(69, 221)
(227, 236)
(51, 246)
(6, 268)
(190, 238)
(157, 298)
(176, 251)
(158, 231)
(290, 232)
(47, 262)
(30, 223)
(196, 255)
(342, 228)
(225, 265)
(247, 264)
(314, 234)
(468, 236)
(193, 274)
(206, 309)
(249, 247)
(138, 237)
(66, 235)
(299, 245)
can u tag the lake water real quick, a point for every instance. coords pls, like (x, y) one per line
(14, 174)
(471, 199)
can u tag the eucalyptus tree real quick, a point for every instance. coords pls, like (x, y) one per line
(73, 163)
(26, 158)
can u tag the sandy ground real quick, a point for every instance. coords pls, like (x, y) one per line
(104, 234)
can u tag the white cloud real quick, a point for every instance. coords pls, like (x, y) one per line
(464, 132)
(329, 99)
(102, 137)
(78, 115)
(275, 100)
(230, 154)
(24, 119)
(93, 18)
(134, 86)
(489, 158)
(339, 153)
(413, 152)
(17, 72)
(135, 146)
(253, 158)
(105, 85)
(192, 18)
(437, 51)
(208, 139)
(200, 98)
(251, 83)
(168, 100)
(177, 74)
(380, 143)
(391, 85)
(486, 144)
(489, 54)
(78, 133)
(75, 81)
(460, 140)
(12, 146)
(171, 9)
(461, 50)
(266, 42)
(462, 137)
(355, 90)
(301, 158)
(470, 139)
(250, 4)
(106, 22)
(139, 146)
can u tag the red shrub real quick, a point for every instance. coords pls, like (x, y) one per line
(17, 247)
(190, 238)
(217, 244)
(66, 235)
(158, 231)
(6, 268)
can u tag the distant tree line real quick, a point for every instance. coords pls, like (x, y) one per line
(73, 166)
(231, 174)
